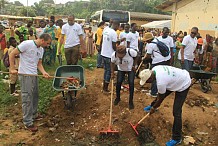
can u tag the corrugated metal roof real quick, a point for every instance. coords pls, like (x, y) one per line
(149, 16)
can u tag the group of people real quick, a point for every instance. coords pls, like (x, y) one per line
(119, 50)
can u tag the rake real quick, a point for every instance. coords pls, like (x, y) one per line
(109, 131)
(135, 126)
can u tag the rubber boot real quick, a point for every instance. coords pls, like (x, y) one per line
(12, 86)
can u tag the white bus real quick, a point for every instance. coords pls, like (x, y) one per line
(106, 15)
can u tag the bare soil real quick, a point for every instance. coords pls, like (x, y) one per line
(81, 126)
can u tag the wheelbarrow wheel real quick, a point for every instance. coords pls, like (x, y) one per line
(205, 87)
(69, 102)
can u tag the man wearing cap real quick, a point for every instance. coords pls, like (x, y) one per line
(157, 59)
(123, 58)
(169, 79)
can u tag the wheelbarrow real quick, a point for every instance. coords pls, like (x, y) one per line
(204, 79)
(69, 94)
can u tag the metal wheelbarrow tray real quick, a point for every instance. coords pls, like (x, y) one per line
(204, 78)
(69, 94)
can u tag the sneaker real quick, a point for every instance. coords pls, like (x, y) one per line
(116, 101)
(15, 94)
(38, 118)
(31, 128)
(147, 108)
(149, 94)
(173, 142)
(131, 105)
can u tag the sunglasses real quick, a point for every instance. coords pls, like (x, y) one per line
(193, 33)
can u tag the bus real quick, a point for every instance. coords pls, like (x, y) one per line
(106, 15)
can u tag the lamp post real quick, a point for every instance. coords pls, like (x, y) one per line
(27, 9)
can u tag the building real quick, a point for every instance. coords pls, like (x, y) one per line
(143, 18)
(189, 13)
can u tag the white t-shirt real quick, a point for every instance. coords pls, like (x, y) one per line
(72, 34)
(190, 46)
(155, 53)
(168, 41)
(123, 35)
(171, 78)
(30, 55)
(109, 36)
(39, 32)
(133, 38)
(127, 61)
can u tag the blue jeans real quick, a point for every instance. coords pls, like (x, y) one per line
(107, 69)
(99, 60)
(120, 78)
(187, 65)
(154, 83)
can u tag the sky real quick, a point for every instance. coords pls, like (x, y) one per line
(31, 2)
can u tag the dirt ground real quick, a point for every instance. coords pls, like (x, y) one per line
(81, 126)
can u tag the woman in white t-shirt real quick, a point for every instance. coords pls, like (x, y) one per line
(123, 58)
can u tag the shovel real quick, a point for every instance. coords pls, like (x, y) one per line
(134, 126)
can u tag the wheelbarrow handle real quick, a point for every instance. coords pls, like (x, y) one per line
(36, 75)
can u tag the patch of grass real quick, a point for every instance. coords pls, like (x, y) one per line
(89, 62)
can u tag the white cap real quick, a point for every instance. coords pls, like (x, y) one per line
(145, 75)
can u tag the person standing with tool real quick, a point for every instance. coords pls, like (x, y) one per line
(31, 53)
(123, 58)
(169, 79)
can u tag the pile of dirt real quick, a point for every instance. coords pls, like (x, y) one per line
(200, 101)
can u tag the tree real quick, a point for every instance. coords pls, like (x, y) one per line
(39, 9)
(18, 3)
(47, 1)
(31, 12)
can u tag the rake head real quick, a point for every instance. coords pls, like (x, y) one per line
(109, 132)
(134, 128)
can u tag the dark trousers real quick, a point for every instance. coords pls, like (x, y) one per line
(177, 112)
(154, 83)
(72, 55)
(120, 78)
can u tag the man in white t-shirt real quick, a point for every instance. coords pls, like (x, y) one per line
(109, 40)
(168, 41)
(157, 58)
(123, 35)
(31, 53)
(169, 79)
(74, 39)
(133, 38)
(187, 52)
(123, 58)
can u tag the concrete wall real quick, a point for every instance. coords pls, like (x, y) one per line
(200, 13)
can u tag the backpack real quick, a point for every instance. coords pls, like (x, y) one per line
(164, 50)
(6, 60)
(127, 52)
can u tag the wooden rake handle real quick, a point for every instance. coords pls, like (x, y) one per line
(37, 75)
(144, 118)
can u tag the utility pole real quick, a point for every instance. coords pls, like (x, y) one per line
(27, 9)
